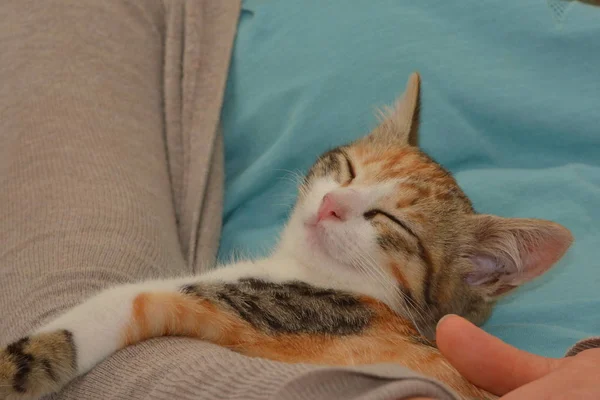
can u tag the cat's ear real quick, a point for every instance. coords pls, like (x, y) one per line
(508, 252)
(400, 123)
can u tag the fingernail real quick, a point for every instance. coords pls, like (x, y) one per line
(443, 318)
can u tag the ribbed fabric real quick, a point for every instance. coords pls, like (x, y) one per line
(193, 370)
(111, 172)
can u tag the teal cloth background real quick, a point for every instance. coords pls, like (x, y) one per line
(511, 105)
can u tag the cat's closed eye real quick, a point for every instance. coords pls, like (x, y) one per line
(351, 171)
(375, 212)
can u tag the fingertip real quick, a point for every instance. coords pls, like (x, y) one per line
(448, 318)
(450, 329)
(484, 359)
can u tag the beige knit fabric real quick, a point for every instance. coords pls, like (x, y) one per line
(111, 172)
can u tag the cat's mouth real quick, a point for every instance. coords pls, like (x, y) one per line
(314, 232)
(320, 237)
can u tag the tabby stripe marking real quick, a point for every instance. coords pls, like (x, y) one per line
(22, 361)
(48, 369)
(71, 343)
(289, 307)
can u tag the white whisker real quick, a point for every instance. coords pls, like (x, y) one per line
(369, 267)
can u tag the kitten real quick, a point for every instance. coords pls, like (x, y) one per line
(381, 244)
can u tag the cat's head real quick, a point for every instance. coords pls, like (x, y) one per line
(383, 211)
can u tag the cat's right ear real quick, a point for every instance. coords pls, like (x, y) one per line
(508, 252)
(400, 123)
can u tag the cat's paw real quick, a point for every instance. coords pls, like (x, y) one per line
(37, 365)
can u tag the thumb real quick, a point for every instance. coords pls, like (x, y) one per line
(487, 361)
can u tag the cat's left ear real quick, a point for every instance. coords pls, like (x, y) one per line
(509, 252)
(400, 123)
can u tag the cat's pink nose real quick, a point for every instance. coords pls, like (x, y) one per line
(331, 209)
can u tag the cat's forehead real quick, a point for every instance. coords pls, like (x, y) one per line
(401, 163)
(415, 176)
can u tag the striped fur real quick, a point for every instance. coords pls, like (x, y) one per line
(365, 286)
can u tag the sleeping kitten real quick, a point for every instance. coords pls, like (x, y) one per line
(381, 244)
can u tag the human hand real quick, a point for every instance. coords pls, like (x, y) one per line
(514, 374)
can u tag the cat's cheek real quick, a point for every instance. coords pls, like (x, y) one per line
(351, 242)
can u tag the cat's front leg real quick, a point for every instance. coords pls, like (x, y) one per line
(76, 341)
(72, 344)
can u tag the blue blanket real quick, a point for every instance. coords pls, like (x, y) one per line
(511, 105)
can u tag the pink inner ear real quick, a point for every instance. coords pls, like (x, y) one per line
(488, 272)
(486, 269)
(538, 259)
(512, 251)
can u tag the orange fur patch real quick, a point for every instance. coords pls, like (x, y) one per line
(388, 339)
(396, 271)
(176, 314)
